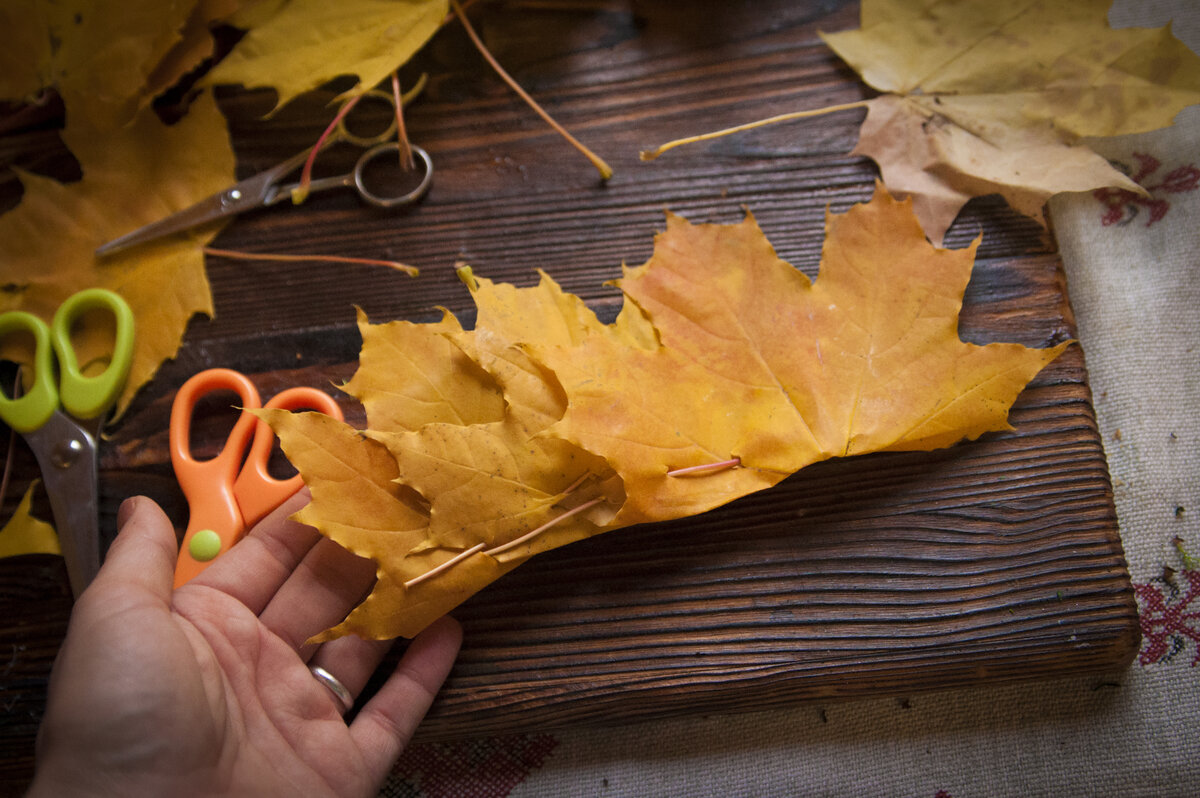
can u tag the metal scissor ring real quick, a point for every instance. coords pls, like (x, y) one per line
(379, 200)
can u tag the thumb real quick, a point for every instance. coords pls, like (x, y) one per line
(144, 551)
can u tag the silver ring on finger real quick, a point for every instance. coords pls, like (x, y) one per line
(333, 685)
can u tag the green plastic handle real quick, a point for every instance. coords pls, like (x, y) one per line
(33, 409)
(87, 397)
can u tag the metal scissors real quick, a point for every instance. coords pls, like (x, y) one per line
(224, 503)
(264, 189)
(65, 443)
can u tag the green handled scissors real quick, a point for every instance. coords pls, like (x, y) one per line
(266, 189)
(65, 442)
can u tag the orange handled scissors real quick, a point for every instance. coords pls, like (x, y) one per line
(224, 502)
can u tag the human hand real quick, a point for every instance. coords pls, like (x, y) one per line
(206, 690)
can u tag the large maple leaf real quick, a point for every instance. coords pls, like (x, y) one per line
(998, 98)
(48, 242)
(726, 371)
(988, 97)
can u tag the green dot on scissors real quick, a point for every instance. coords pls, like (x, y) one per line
(204, 545)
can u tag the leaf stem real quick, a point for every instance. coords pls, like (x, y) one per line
(650, 155)
(603, 168)
(529, 535)
(706, 467)
(391, 264)
(432, 572)
(300, 193)
(406, 153)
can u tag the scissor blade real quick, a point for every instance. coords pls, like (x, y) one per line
(217, 206)
(253, 192)
(66, 453)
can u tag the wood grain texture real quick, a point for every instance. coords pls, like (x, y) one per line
(892, 573)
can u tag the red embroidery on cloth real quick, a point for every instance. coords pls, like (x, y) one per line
(1123, 206)
(1168, 618)
(485, 768)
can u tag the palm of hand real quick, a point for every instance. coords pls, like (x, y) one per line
(208, 691)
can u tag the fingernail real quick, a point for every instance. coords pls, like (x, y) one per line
(127, 509)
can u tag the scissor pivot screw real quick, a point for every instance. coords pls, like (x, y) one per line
(205, 545)
(66, 453)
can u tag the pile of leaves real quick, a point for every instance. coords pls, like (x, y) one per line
(726, 371)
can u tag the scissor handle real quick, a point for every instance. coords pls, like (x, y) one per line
(345, 133)
(33, 409)
(257, 492)
(87, 397)
(384, 201)
(215, 522)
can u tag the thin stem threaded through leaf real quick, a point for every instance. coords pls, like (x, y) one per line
(432, 572)
(574, 485)
(530, 535)
(705, 468)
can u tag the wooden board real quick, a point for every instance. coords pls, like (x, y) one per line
(892, 573)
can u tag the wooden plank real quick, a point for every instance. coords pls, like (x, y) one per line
(892, 573)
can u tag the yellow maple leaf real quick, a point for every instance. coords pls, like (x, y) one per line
(100, 55)
(303, 44)
(48, 242)
(24, 534)
(994, 98)
(724, 356)
(410, 375)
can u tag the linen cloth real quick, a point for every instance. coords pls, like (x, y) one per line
(1133, 271)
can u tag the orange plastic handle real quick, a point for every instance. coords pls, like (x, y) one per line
(257, 492)
(215, 521)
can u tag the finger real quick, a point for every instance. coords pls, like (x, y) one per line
(351, 660)
(254, 569)
(326, 584)
(387, 722)
(143, 553)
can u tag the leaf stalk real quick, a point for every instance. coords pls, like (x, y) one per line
(231, 253)
(650, 155)
(603, 168)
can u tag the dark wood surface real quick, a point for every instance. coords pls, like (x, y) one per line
(892, 573)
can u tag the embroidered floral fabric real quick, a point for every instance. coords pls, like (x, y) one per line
(1133, 269)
